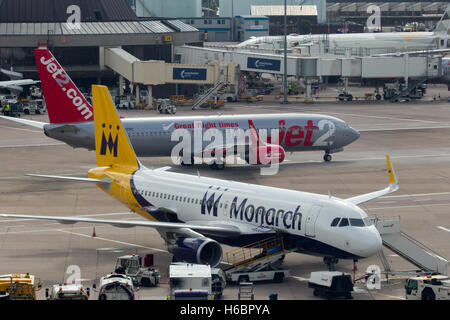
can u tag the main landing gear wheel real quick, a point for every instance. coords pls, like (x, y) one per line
(183, 163)
(217, 166)
(327, 157)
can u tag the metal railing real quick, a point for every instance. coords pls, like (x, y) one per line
(255, 252)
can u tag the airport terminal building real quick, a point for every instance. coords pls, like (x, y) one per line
(77, 46)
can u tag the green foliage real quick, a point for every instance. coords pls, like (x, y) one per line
(212, 4)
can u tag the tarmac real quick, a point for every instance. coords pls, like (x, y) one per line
(414, 134)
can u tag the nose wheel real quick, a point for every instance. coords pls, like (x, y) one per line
(327, 157)
(330, 262)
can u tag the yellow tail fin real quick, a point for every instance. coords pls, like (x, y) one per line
(111, 140)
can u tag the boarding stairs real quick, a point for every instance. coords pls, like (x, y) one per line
(256, 256)
(204, 97)
(409, 248)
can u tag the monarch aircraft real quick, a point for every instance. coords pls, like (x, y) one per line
(71, 121)
(193, 214)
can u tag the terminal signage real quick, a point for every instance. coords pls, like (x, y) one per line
(189, 74)
(263, 64)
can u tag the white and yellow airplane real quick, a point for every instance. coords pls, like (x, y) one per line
(194, 214)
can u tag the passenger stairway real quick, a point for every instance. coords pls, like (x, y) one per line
(204, 97)
(256, 256)
(409, 248)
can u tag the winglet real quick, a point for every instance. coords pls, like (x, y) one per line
(392, 176)
(393, 186)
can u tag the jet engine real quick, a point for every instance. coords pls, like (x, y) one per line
(197, 250)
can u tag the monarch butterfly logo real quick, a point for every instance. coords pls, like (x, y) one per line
(110, 143)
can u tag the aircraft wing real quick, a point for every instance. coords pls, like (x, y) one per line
(13, 84)
(392, 187)
(175, 226)
(32, 123)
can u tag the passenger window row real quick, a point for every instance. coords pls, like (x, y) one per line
(148, 133)
(167, 196)
(345, 222)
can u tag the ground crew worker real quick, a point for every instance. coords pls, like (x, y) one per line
(6, 110)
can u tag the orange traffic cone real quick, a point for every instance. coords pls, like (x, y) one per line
(93, 233)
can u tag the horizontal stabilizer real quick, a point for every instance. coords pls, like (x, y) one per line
(70, 178)
(32, 123)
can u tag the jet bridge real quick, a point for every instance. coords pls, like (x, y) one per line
(404, 66)
(155, 72)
(408, 248)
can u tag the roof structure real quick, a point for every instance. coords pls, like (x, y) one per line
(306, 10)
(56, 10)
(93, 28)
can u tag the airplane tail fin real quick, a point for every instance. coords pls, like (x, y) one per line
(443, 26)
(112, 145)
(65, 103)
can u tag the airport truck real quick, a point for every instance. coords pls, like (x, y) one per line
(67, 292)
(116, 287)
(188, 281)
(142, 274)
(18, 286)
(434, 287)
(218, 282)
(267, 274)
(331, 284)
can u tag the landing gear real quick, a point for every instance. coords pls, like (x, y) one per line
(217, 162)
(327, 157)
(217, 165)
(183, 163)
(330, 262)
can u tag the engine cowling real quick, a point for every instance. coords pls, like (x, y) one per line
(198, 250)
(271, 153)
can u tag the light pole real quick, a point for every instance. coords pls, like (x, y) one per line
(285, 100)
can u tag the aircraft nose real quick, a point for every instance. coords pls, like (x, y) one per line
(373, 242)
(354, 135)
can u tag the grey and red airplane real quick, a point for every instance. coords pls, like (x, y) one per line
(71, 121)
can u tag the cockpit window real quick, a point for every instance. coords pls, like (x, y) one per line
(357, 222)
(335, 222)
(344, 222)
(367, 221)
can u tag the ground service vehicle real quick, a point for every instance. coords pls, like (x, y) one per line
(435, 287)
(218, 282)
(331, 284)
(189, 281)
(67, 292)
(116, 287)
(142, 275)
(164, 106)
(18, 286)
(35, 106)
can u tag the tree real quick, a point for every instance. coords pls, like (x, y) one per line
(212, 4)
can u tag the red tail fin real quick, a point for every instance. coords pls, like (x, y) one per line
(65, 103)
(254, 135)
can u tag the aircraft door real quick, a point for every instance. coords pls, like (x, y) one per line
(311, 218)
